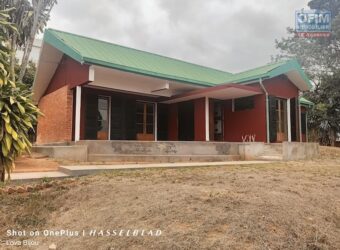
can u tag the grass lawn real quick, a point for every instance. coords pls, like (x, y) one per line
(294, 205)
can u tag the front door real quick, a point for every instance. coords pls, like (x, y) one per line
(218, 121)
(103, 131)
(145, 121)
(281, 122)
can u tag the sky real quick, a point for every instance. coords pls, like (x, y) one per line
(231, 35)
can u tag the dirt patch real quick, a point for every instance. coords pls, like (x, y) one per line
(330, 152)
(293, 205)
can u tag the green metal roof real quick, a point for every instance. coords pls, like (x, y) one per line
(269, 71)
(305, 102)
(92, 51)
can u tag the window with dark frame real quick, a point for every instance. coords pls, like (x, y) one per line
(244, 103)
(303, 123)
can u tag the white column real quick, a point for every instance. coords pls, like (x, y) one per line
(306, 126)
(156, 117)
(77, 114)
(207, 119)
(289, 121)
(299, 114)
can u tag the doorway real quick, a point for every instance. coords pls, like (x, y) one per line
(218, 121)
(278, 126)
(186, 126)
(281, 121)
(103, 131)
(145, 113)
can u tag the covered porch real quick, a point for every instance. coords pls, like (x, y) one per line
(118, 105)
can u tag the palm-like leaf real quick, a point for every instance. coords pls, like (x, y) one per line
(17, 111)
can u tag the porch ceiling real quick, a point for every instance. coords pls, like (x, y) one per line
(126, 81)
(222, 92)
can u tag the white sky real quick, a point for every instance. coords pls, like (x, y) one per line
(232, 35)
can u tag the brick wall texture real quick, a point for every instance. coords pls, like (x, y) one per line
(56, 124)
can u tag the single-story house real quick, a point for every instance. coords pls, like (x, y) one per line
(95, 90)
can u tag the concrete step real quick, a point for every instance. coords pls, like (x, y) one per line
(22, 177)
(160, 158)
(160, 147)
(270, 157)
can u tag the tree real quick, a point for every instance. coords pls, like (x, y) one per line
(320, 58)
(30, 18)
(20, 15)
(17, 111)
(41, 14)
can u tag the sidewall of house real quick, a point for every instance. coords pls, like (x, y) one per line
(56, 124)
(241, 125)
(245, 123)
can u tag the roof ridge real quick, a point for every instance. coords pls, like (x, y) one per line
(139, 50)
(259, 67)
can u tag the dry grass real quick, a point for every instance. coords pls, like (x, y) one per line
(292, 205)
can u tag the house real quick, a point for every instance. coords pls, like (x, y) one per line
(95, 90)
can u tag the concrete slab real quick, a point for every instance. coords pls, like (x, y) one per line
(37, 175)
(72, 153)
(78, 170)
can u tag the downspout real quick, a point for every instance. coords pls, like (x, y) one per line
(267, 109)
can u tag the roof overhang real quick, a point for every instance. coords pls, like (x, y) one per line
(295, 74)
(49, 60)
(221, 92)
(295, 77)
(118, 80)
(291, 69)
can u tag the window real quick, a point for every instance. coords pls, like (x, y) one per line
(243, 103)
(303, 123)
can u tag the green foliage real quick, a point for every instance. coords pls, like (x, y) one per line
(28, 78)
(20, 15)
(320, 58)
(17, 111)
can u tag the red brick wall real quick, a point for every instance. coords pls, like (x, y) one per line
(199, 117)
(56, 124)
(69, 72)
(246, 122)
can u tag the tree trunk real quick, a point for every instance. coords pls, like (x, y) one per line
(2, 172)
(13, 59)
(28, 49)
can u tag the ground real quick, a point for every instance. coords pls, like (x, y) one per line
(294, 205)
